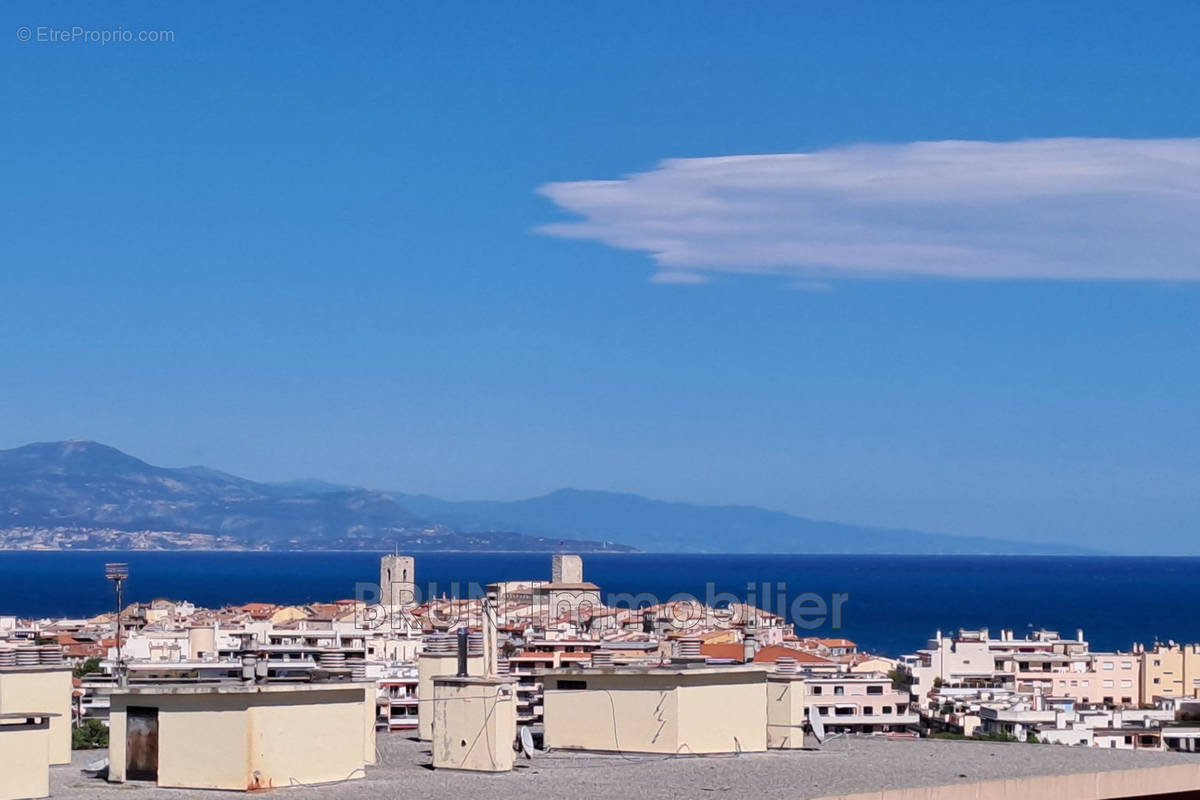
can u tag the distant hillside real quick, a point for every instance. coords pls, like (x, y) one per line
(82, 494)
(655, 525)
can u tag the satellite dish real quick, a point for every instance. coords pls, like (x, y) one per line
(526, 741)
(818, 727)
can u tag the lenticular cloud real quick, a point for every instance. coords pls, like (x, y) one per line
(1070, 209)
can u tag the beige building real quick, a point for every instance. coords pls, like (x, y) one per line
(241, 736)
(24, 755)
(435, 664)
(45, 689)
(854, 703)
(474, 724)
(1169, 670)
(671, 710)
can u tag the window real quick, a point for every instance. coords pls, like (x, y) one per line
(874, 690)
(869, 710)
(824, 711)
(1084, 684)
(885, 709)
(1157, 663)
(816, 690)
(1126, 665)
(1156, 681)
(1127, 700)
(1108, 665)
(1108, 684)
(839, 690)
(1126, 684)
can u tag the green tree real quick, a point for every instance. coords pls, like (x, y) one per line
(87, 667)
(91, 735)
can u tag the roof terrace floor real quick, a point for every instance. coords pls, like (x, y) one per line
(844, 767)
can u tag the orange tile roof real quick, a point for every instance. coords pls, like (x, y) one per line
(735, 652)
(772, 653)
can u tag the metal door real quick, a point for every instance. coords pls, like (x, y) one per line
(141, 744)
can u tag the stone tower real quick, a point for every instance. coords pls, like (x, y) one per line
(566, 568)
(397, 581)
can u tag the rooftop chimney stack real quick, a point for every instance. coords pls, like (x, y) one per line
(462, 652)
(490, 635)
(749, 644)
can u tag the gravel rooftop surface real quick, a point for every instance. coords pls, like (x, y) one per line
(845, 766)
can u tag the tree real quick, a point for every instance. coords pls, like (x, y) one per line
(87, 667)
(901, 680)
(91, 735)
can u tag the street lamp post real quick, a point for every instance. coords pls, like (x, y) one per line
(117, 573)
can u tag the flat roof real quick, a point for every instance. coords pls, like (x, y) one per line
(700, 668)
(844, 767)
(231, 688)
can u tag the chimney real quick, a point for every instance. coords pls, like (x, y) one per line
(749, 644)
(462, 652)
(249, 667)
(490, 638)
(260, 671)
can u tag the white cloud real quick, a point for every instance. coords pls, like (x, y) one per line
(1076, 209)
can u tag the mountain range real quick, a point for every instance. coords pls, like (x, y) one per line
(86, 495)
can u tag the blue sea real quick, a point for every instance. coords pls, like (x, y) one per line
(892, 605)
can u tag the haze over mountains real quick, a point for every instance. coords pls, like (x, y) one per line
(86, 495)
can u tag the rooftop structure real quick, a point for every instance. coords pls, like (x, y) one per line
(24, 755)
(46, 689)
(241, 736)
(674, 709)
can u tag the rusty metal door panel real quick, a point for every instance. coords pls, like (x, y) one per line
(141, 744)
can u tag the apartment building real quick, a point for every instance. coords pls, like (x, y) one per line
(856, 703)
(973, 658)
(1169, 670)
(396, 701)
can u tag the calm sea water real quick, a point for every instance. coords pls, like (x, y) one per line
(895, 602)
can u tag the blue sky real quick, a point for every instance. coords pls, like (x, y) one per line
(306, 240)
